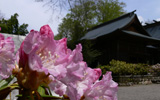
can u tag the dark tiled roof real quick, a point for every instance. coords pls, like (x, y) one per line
(153, 29)
(140, 35)
(113, 25)
(109, 26)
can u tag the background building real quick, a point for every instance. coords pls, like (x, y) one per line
(125, 39)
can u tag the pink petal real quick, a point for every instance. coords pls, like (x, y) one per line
(7, 59)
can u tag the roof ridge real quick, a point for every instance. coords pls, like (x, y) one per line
(148, 25)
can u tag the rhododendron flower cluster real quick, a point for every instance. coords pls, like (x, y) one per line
(6, 56)
(41, 60)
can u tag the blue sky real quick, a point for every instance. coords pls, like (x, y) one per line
(36, 14)
(33, 13)
(145, 9)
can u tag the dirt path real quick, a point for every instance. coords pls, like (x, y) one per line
(139, 92)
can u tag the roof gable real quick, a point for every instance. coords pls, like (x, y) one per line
(136, 26)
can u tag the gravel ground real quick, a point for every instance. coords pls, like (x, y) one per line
(136, 92)
(139, 92)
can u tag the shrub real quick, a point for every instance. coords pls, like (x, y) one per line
(122, 68)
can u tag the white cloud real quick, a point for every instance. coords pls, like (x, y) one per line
(158, 19)
(141, 19)
(32, 13)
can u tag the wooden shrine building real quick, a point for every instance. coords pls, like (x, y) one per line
(125, 39)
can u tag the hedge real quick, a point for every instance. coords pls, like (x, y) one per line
(122, 68)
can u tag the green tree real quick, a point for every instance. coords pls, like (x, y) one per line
(87, 14)
(11, 26)
(84, 15)
(80, 19)
(109, 9)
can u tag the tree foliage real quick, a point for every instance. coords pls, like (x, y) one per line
(84, 15)
(11, 26)
(109, 9)
(88, 13)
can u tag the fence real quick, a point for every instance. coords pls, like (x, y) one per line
(134, 79)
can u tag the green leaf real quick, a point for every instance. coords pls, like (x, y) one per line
(46, 97)
(20, 95)
(41, 90)
(4, 91)
(4, 83)
(46, 87)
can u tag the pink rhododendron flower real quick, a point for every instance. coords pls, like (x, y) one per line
(57, 86)
(43, 60)
(49, 55)
(41, 54)
(28, 78)
(74, 72)
(76, 55)
(76, 88)
(105, 89)
(6, 56)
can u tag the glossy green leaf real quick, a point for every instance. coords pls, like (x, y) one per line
(41, 90)
(4, 83)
